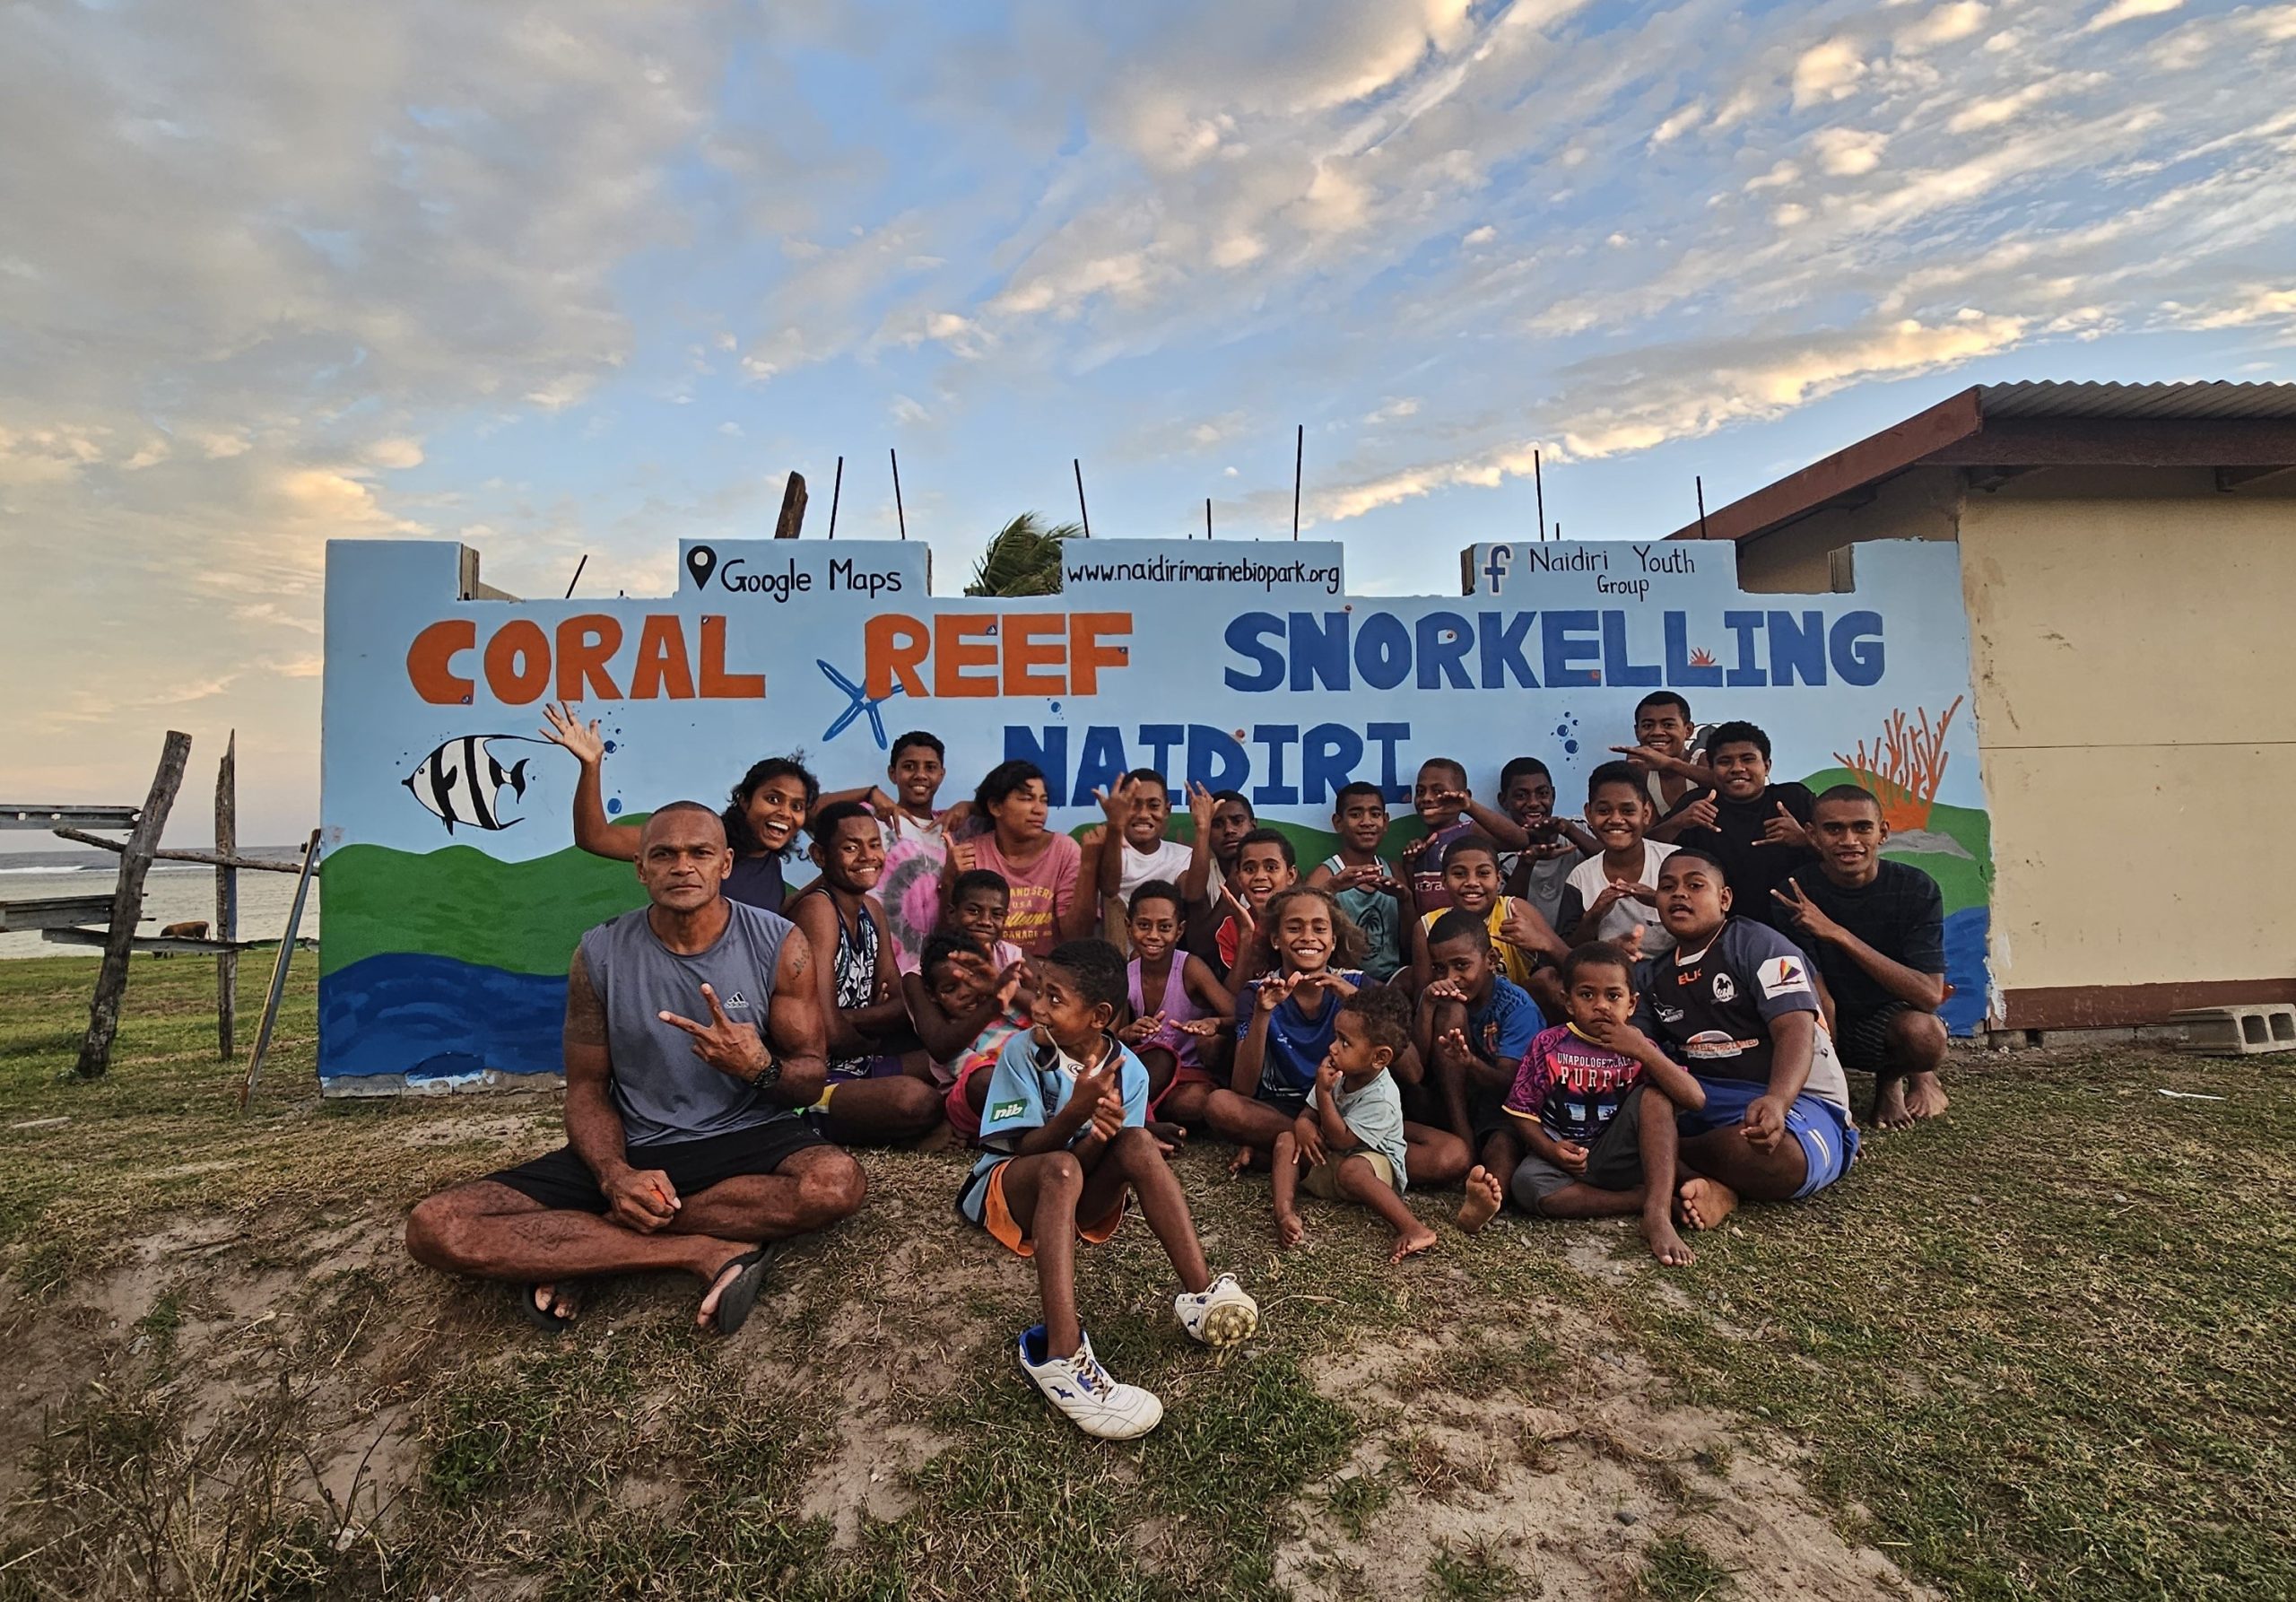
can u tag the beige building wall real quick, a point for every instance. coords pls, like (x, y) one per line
(1921, 504)
(2136, 718)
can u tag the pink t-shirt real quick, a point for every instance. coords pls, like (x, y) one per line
(1040, 893)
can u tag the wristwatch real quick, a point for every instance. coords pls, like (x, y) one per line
(766, 1077)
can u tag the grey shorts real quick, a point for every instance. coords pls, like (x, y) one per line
(1613, 1162)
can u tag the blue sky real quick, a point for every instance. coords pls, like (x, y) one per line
(590, 277)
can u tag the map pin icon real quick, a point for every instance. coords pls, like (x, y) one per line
(702, 561)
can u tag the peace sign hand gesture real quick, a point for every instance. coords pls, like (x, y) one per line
(735, 1049)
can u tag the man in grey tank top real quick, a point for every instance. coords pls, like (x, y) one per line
(693, 1035)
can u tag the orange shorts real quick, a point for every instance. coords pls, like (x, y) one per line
(998, 1219)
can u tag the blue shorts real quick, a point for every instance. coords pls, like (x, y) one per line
(1828, 1140)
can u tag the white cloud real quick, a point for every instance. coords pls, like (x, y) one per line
(1479, 235)
(1847, 153)
(396, 453)
(910, 413)
(1954, 21)
(1679, 124)
(2259, 304)
(2128, 11)
(1826, 72)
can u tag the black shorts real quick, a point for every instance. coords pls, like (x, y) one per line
(1613, 1161)
(1487, 1114)
(562, 1181)
(1862, 1040)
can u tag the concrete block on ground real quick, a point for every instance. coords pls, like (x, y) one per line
(2088, 1037)
(2238, 1031)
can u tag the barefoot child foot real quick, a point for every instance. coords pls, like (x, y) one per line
(1484, 1197)
(1289, 1231)
(1665, 1244)
(1890, 1109)
(1704, 1204)
(1409, 1242)
(1924, 1097)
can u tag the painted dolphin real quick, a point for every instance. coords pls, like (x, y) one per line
(462, 782)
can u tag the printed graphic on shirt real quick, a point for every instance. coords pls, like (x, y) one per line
(1780, 976)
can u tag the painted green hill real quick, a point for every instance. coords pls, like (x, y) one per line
(459, 902)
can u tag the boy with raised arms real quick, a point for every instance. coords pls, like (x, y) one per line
(1877, 930)
(1758, 830)
(1667, 751)
(1535, 874)
(1349, 1141)
(1583, 1103)
(1135, 852)
(1613, 896)
(916, 840)
(1364, 882)
(1440, 797)
(1473, 1026)
(1069, 1148)
(1167, 989)
(1734, 1002)
(1265, 865)
(1520, 939)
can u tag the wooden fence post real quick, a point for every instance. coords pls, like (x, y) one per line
(128, 906)
(227, 901)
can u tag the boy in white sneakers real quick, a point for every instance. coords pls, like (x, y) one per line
(1069, 1149)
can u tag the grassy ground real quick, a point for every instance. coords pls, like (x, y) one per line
(2036, 1351)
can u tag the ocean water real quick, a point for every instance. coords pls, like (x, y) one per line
(173, 893)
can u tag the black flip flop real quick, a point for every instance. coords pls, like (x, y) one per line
(736, 1300)
(522, 1297)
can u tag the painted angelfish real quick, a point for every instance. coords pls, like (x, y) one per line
(462, 782)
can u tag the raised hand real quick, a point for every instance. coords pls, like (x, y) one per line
(1700, 814)
(736, 1051)
(1645, 757)
(1807, 915)
(1115, 804)
(1201, 804)
(1783, 829)
(1274, 992)
(964, 855)
(563, 728)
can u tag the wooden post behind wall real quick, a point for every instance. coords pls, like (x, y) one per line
(128, 906)
(227, 901)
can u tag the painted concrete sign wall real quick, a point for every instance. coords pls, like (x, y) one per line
(455, 893)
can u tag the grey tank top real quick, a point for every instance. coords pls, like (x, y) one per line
(664, 1091)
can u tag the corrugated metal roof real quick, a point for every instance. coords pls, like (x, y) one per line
(2212, 399)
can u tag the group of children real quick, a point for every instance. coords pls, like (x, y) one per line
(1578, 1016)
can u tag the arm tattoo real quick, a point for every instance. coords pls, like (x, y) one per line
(798, 960)
(586, 1015)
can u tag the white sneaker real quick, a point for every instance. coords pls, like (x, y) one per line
(1082, 1390)
(1219, 1315)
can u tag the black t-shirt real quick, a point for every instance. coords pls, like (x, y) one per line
(1753, 868)
(1901, 914)
(1710, 1010)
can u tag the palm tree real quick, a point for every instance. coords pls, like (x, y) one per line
(1023, 559)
